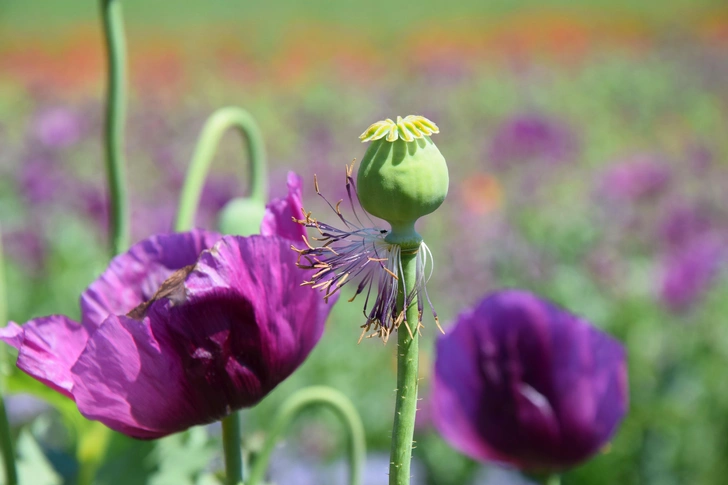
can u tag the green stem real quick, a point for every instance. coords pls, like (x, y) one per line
(300, 400)
(407, 379)
(115, 120)
(6, 440)
(231, 449)
(113, 25)
(217, 124)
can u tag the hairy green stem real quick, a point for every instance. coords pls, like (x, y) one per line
(310, 396)
(217, 124)
(231, 449)
(115, 123)
(407, 379)
(6, 440)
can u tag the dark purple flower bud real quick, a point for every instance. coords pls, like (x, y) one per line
(58, 127)
(531, 137)
(180, 330)
(520, 381)
(689, 272)
(637, 178)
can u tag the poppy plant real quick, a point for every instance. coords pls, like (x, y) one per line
(180, 330)
(519, 381)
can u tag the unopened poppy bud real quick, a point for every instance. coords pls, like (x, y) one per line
(403, 176)
(241, 217)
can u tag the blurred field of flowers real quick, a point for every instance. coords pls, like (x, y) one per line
(588, 163)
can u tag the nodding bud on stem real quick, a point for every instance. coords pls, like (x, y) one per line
(403, 176)
(241, 217)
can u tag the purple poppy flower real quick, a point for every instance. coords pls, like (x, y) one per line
(26, 247)
(689, 272)
(180, 330)
(637, 178)
(531, 137)
(520, 381)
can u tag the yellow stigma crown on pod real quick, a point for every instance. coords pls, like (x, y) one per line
(408, 129)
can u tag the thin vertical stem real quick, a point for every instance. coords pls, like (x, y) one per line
(231, 449)
(115, 123)
(6, 440)
(407, 379)
(297, 402)
(113, 27)
(217, 124)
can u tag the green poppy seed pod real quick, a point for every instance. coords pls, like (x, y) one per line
(403, 176)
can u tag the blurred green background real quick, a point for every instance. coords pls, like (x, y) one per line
(587, 152)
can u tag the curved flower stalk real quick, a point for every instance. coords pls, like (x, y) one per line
(115, 124)
(176, 332)
(240, 216)
(294, 405)
(402, 177)
(521, 382)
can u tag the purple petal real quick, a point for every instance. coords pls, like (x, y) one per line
(279, 213)
(123, 375)
(520, 381)
(243, 325)
(133, 277)
(451, 414)
(48, 348)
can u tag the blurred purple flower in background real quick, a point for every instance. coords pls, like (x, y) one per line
(520, 381)
(683, 223)
(635, 179)
(690, 271)
(41, 180)
(180, 330)
(57, 127)
(531, 137)
(26, 247)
